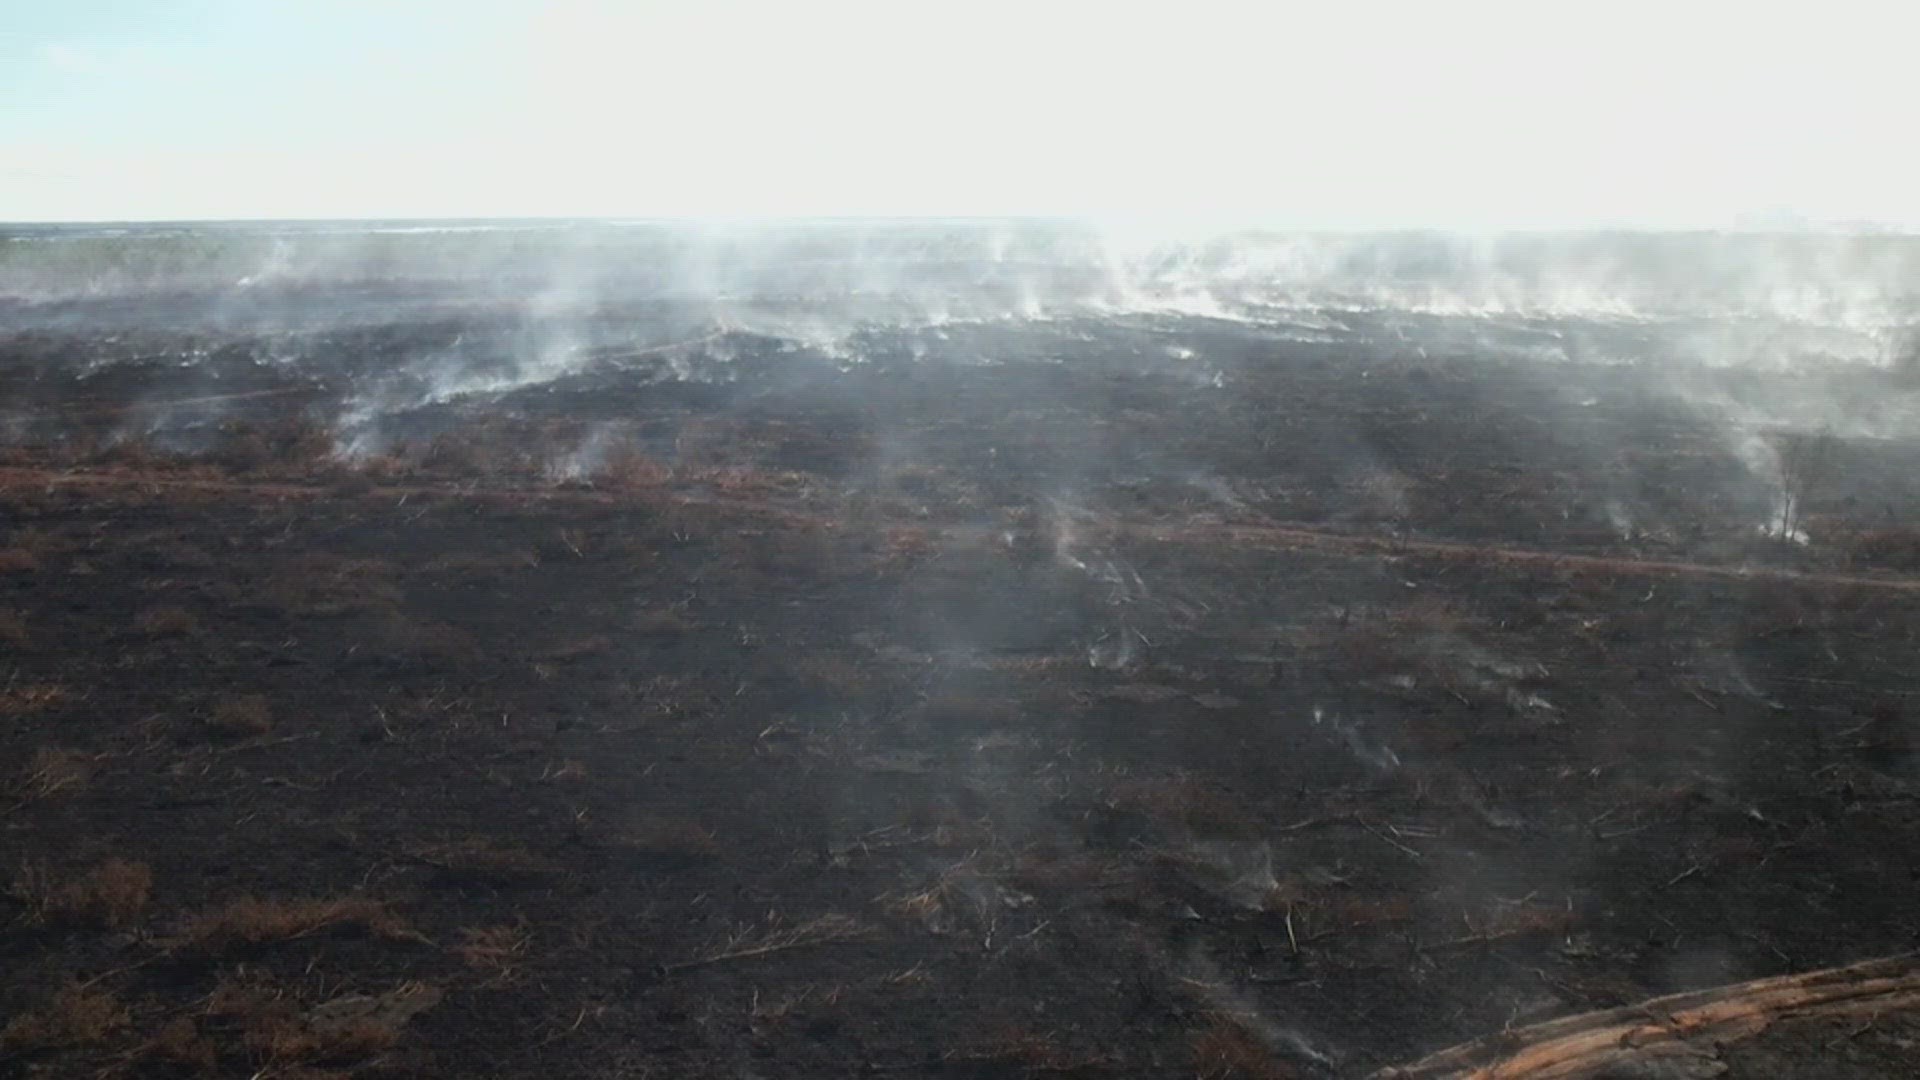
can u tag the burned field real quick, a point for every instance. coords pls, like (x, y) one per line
(1135, 695)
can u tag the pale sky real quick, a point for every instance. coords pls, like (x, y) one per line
(1440, 114)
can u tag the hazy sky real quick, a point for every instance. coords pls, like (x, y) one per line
(1341, 114)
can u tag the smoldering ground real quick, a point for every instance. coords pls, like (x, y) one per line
(964, 648)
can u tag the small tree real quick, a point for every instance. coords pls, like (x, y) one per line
(1804, 461)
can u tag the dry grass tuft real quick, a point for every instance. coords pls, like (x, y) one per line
(1040, 1053)
(903, 547)
(77, 1016)
(831, 672)
(18, 561)
(479, 855)
(776, 936)
(178, 1043)
(1185, 804)
(13, 629)
(112, 894)
(286, 1038)
(287, 443)
(580, 648)
(280, 1041)
(927, 906)
(232, 998)
(1891, 548)
(629, 470)
(663, 621)
(1227, 1050)
(1046, 866)
(1513, 919)
(25, 700)
(1357, 911)
(564, 770)
(240, 716)
(254, 921)
(167, 621)
(494, 949)
(52, 772)
(326, 587)
(671, 840)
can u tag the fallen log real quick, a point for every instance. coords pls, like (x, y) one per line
(1675, 1036)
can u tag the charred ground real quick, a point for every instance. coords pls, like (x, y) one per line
(1136, 695)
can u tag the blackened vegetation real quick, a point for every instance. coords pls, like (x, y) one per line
(1019, 700)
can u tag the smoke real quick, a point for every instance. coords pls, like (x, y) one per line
(590, 457)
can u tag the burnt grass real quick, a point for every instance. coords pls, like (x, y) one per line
(1007, 700)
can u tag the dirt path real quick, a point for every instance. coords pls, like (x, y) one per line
(1297, 538)
(1290, 538)
(1262, 537)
